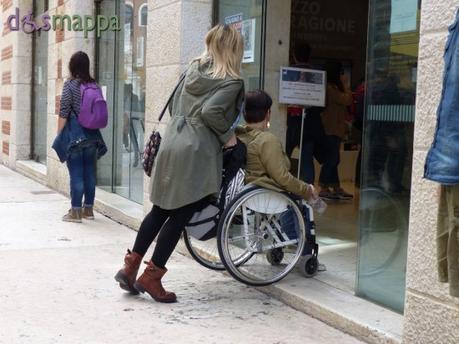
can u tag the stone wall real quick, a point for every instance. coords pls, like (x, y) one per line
(15, 70)
(431, 315)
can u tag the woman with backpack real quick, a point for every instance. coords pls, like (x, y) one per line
(189, 162)
(82, 112)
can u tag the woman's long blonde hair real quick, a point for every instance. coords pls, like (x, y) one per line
(224, 51)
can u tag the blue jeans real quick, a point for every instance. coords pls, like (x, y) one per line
(289, 225)
(82, 169)
(329, 176)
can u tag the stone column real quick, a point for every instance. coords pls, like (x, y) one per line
(277, 55)
(15, 63)
(431, 315)
(176, 31)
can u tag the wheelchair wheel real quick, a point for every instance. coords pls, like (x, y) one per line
(257, 222)
(309, 265)
(204, 252)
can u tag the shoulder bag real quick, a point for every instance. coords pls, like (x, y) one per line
(152, 146)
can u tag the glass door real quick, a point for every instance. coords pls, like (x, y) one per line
(248, 17)
(122, 72)
(387, 154)
(40, 88)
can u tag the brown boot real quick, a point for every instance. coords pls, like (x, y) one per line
(127, 275)
(74, 215)
(150, 282)
(88, 213)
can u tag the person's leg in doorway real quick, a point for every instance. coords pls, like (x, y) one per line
(89, 162)
(292, 139)
(329, 173)
(307, 172)
(75, 165)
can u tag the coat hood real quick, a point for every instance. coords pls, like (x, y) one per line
(198, 81)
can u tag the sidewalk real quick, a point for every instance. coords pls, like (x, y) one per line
(57, 286)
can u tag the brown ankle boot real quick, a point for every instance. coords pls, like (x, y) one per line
(150, 282)
(127, 275)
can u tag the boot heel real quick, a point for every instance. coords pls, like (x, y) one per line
(122, 279)
(139, 288)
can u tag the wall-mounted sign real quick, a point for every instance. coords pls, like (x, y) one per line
(234, 19)
(248, 32)
(299, 86)
(247, 29)
(404, 16)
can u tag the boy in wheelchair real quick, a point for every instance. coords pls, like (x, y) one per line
(267, 164)
(269, 167)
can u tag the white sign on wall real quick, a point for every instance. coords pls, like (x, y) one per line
(404, 16)
(300, 86)
(247, 28)
(248, 32)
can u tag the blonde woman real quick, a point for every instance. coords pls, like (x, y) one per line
(189, 163)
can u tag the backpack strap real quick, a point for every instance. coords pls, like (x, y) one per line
(163, 112)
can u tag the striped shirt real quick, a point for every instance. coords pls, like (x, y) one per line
(70, 99)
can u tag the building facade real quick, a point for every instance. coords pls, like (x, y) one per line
(396, 47)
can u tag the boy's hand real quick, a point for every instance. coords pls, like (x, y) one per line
(314, 192)
(232, 142)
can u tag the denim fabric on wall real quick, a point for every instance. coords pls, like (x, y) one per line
(442, 164)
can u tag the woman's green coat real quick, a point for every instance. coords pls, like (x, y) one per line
(189, 163)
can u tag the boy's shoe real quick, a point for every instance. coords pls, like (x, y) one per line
(88, 213)
(74, 215)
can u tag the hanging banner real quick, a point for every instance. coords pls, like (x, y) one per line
(299, 86)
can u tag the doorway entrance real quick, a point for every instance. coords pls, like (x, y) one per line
(364, 239)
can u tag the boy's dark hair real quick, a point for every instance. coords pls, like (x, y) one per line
(79, 67)
(257, 104)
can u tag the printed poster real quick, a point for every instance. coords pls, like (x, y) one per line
(248, 30)
(300, 86)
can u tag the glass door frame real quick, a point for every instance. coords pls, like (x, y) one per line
(114, 140)
(215, 21)
(32, 154)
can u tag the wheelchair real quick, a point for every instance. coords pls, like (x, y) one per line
(260, 237)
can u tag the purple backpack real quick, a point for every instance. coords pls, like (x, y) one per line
(93, 109)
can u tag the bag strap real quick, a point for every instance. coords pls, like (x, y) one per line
(163, 112)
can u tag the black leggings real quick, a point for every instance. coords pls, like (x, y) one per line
(170, 225)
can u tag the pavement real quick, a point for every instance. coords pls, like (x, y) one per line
(57, 286)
